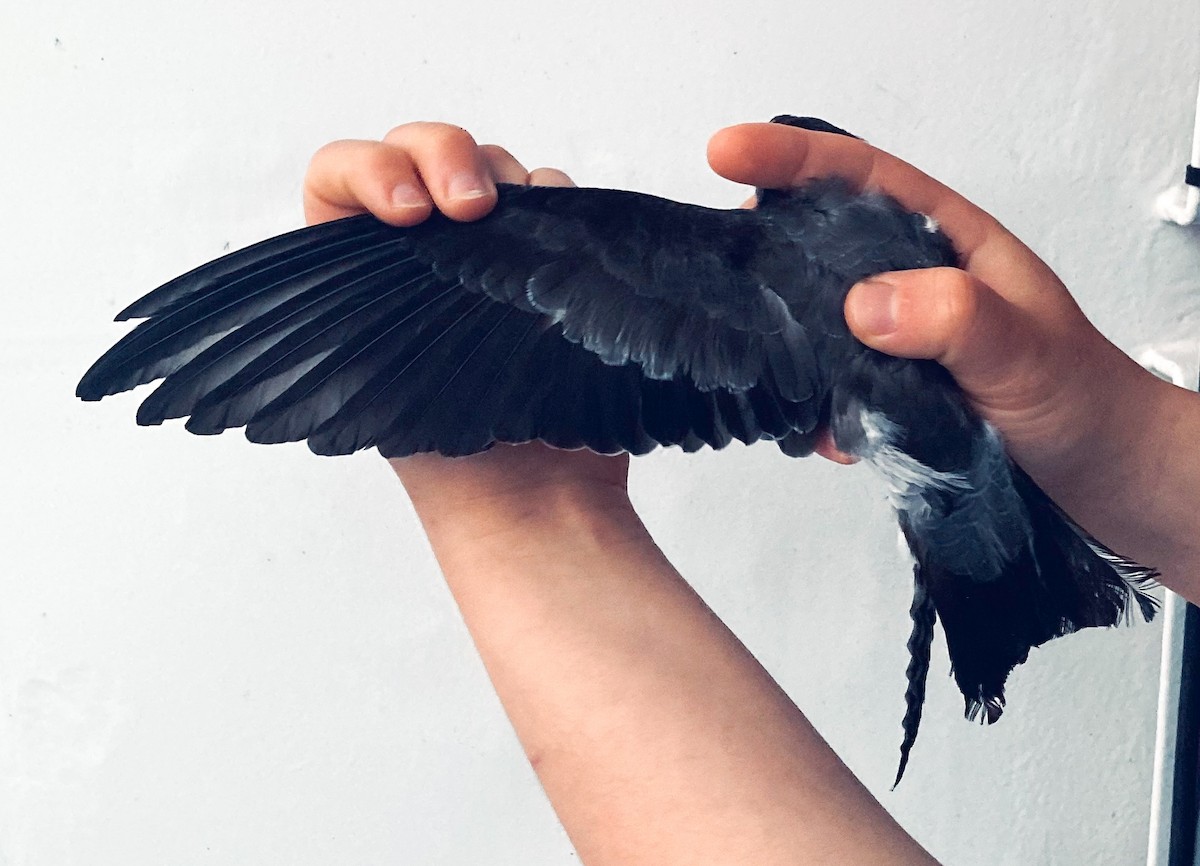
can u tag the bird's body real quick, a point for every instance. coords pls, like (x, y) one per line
(619, 322)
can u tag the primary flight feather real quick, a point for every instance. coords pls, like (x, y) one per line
(619, 322)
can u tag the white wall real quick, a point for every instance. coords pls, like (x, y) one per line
(218, 653)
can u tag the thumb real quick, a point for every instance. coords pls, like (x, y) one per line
(992, 347)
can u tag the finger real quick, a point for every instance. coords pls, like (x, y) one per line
(502, 165)
(549, 177)
(451, 166)
(825, 447)
(350, 177)
(773, 155)
(506, 169)
(999, 353)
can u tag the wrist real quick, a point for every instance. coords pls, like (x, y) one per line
(1066, 416)
(1110, 472)
(478, 521)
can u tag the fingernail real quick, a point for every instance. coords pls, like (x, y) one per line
(874, 304)
(409, 195)
(466, 186)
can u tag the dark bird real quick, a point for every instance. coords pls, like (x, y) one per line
(618, 321)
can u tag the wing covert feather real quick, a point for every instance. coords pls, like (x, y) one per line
(584, 318)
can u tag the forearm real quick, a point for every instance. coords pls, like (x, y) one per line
(657, 736)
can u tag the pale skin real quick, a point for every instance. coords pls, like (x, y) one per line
(657, 736)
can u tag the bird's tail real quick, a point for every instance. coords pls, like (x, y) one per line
(924, 616)
(1062, 580)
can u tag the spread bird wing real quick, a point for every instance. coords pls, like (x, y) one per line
(581, 317)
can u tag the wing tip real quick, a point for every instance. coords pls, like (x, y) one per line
(94, 385)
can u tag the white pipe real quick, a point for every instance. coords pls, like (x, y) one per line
(1162, 793)
(1178, 363)
(1180, 203)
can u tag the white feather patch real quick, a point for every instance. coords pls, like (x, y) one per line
(906, 476)
(988, 526)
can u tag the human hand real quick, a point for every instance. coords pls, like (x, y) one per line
(1004, 325)
(401, 179)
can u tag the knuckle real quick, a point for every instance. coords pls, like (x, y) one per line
(504, 167)
(398, 133)
(348, 160)
(379, 160)
(956, 298)
(549, 177)
(327, 153)
(495, 151)
(434, 132)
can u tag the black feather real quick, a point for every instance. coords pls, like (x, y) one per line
(924, 617)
